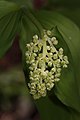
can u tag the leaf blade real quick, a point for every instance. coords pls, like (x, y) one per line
(49, 20)
(7, 7)
(8, 30)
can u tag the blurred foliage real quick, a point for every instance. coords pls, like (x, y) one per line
(69, 8)
(29, 3)
(12, 85)
(73, 14)
(68, 3)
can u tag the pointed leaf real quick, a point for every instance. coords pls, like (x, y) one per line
(8, 29)
(52, 110)
(71, 35)
(7, 7)
(9, 19)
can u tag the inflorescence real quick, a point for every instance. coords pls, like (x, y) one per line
(45, 64)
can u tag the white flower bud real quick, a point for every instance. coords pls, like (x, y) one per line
(27, 61)
(35, 49)
(28, 45)
(45, 37)
(35, 38)
(56, 79)
(53, 39)
(53, 70)
(55, 42)
(48, 32)
(31, 43)
(55, 56)
(49, 86)
(49, 64)
(48, 47)
(59, 70)
(30, 68)
(64, 66)
(57, 75)
(61, 51)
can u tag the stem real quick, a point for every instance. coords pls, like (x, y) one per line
(44, 48)
(52, 46)
(44, 53)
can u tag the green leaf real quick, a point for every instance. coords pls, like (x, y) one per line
(7, 7)
(52, 110)
(27, 30)
(28, 3)
(8, 30)
(66, 90)
(9, 20)
(55, 110)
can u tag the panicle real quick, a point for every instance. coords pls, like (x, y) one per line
(45, 63)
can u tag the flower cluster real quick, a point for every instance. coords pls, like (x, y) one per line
(45, 64)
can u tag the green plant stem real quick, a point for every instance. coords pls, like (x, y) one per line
(44, 53)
